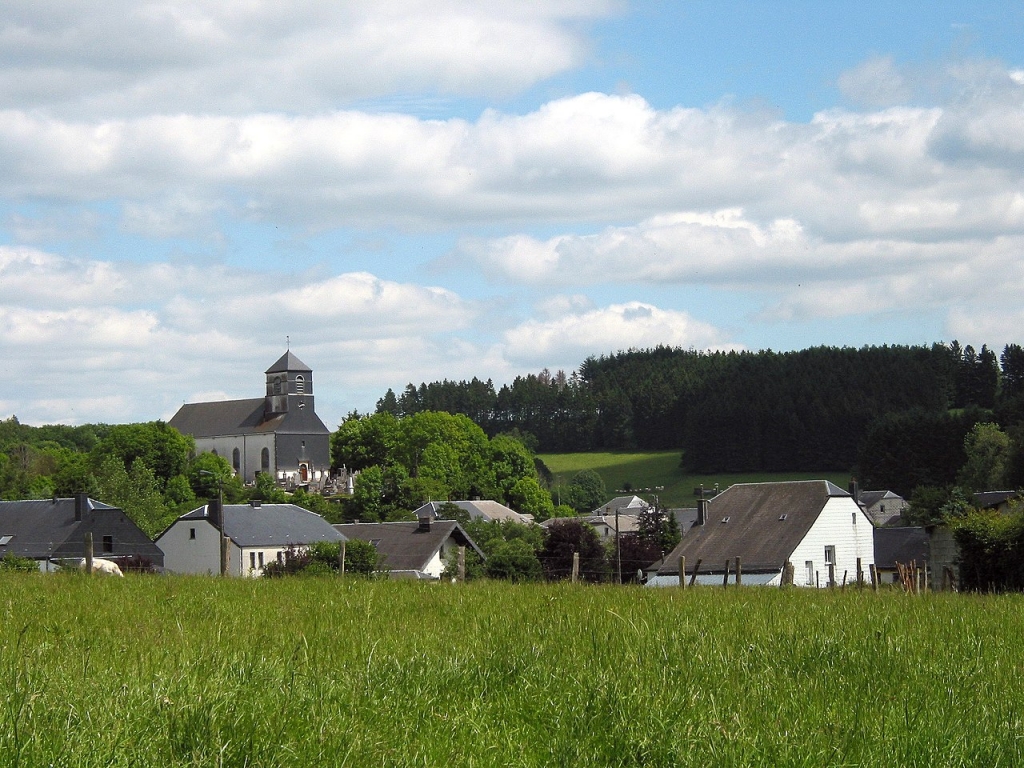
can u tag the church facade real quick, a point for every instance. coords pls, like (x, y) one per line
(278, 434)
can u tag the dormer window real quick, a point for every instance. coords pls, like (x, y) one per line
(300, 385)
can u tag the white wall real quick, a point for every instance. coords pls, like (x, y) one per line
(184, 554)
(250, 447)
(841, 524)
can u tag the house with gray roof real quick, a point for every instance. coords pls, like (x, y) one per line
(812, 524)
(486, 510)
(412, 550)
(53, 530)
(258, 534)
(278, 434)
(883, 508)
(900, 545)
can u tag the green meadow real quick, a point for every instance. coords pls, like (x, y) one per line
(175, 671)
(651, 469)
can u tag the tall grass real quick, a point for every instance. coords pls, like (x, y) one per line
(303, 672)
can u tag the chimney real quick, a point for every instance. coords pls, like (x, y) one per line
(215, 514)
(81, 506)
(424, 523)
(255, 503)
(702, 511)
(854, 491)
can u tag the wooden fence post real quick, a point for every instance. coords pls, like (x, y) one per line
(739, 570)
(88, 552)
(682, 571)
(860, 574)
(341, 559)
(693, 578)
(725, 578)
(788, 574)
(224, 542)
(575, 567)
(831, 575)
(462, 564)
(874, 577)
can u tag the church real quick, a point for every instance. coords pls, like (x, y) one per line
(279, 434)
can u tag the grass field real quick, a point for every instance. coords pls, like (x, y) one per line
(150, 671)
(661, 468)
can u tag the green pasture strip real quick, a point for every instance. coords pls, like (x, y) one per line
(661, 468)
(303, 672)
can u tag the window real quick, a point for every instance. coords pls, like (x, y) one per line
(261, 559)
(854, 515)
(725, 519)
(108, 543)
(830, 555)
(265, 460)
(810, 572)
(236, 460)
(252, 561)
(783, 516)
(191, 533)
(300, 385)
(5, 540)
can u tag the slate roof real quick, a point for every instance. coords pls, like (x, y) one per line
(288, 362)
(754, 531)
(406, 546)
(481, 509)
(993, 499)
(870, 501)
(900, 545)
(634, 503)
(226, 417)
(39, 529)
(268, 525)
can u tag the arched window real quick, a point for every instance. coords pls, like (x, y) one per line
(300, 385)
(265, 460)
(236, 459)
(277, 385)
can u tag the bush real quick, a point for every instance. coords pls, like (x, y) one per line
(11, 562)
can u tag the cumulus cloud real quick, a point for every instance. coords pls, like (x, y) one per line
(563, 342)
(126, 57)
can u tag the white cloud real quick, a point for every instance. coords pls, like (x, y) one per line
(124, 57)
(877, 82)
(564, 342)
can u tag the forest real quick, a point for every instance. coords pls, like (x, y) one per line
(823, 408)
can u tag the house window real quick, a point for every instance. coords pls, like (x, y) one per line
(854, 516)
(191, 533)
(830, 555)
(265, 460)
(236, 460)
(252, 561)
(108, 543)
(810, 573)
(261, 559)
(300, 385)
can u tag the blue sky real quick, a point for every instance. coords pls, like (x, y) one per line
(413, 191)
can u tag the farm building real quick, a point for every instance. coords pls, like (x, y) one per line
(278, 434)
(812, 524)
(258, 533)
(903, 546)
(489, 511)
(53, 530)
(412, 550)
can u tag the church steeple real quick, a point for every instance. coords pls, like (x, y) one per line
(289, 384)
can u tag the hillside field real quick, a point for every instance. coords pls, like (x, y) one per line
(650, 469)
(172, 671)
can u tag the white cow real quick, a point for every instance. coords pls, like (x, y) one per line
(101, 565)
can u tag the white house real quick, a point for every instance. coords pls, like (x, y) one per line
(813, 524)
(258, 533)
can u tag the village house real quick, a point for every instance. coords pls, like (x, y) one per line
(813, 525)
(258, 534)
(412, 550)
(902, 546)
(486, 510)
(278, 434)
(52, 531)
(883, 508)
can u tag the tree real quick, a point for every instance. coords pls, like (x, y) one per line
(658, 527)
(513, 560)
(161, 448)
(136, 491)
(987, 448)
(528, 498)
(569, 535)
(361, 557)
(586, 491)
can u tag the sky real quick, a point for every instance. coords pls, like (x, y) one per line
(412, 191)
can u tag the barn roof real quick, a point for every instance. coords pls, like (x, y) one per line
(760, 522)
(40, 529)
(408, 546)
(900, 545)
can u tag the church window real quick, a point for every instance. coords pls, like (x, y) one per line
(265, 460)
(236, 459)
(300, 385)
(277, 385)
